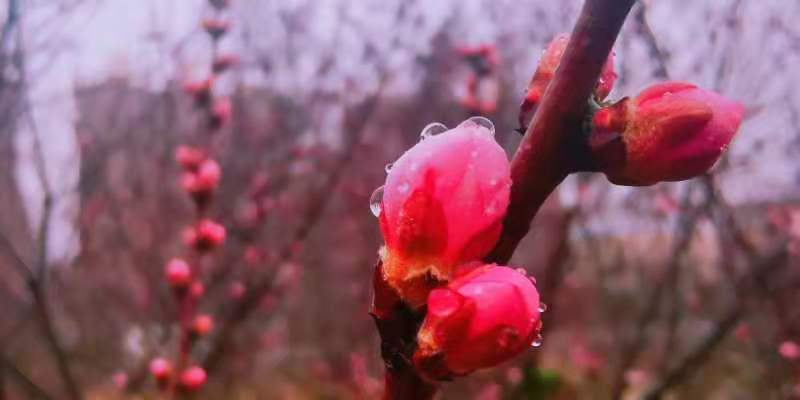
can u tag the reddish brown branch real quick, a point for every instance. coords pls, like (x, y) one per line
(547, 153)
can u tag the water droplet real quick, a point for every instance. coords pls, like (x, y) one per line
(482, 122)
(667, 94)
(388, 167)
(537, 342)
(542, 307)
(403, 187)
(493, 182)
(376, 202)
(432, 129)
(522, 271)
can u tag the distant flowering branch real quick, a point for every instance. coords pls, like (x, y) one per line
(200, 178)
(453, 208)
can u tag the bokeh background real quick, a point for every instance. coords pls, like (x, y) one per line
(684, 289)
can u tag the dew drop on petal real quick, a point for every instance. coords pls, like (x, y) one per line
(522, 271)
(376, 202)
(388, 167)
(537, 342)
(431, 129)
(542, 307)
(482, 122)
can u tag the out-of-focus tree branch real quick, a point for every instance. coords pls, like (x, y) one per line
(355, 127)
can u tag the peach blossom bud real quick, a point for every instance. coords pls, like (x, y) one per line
(443, 205)
(120, 380)
(789, 350)
(200, 91)
(202, 183)
(482, 318)
(742, 332)
(161, 370)
(193, 378)
(178, 273)
(672, 131)
(220, 113)
(197, 290)
(546, 71)
(236, 290)
(223, 62)
(481, 58)
(202, 325)
(252, 255)
(216, 28)
(189, 158)
(206, 235)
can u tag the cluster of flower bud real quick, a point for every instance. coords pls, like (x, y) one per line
(671, 131)
(441, 212)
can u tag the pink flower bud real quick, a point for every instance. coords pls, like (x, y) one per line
(193, 378)
(443, 205)
(161, 370)
(206, 235)
(216, 28)
(789, 350)
(672, 131)
(236, 290)
(202, 183)
(742, 332)
(481, 58)
(202, 325)
(189, 158)
(120, 380)
(482, 318)
(223, 62)
(546, 71)
(197, 289)
(220, 113)
(200, 91)
(178, 273)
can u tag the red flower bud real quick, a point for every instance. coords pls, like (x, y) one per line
(197, 290)
(120, 380)
(216, 28)
(202, 183)
(220, 113)
(223, 62)
(481, 58)
(672, 131)
(161, 370)
(236, 290)
(547, 70)
(189, 158)
(206, 235)
(178, 273)
(200, 91)
(789, 350)
(443, 204)
(202, 325)
(193, 378)
(482, 318)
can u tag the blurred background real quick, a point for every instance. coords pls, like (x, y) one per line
(684, 289)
